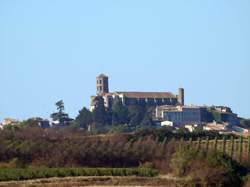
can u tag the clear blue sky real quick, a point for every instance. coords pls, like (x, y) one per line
(53, 49)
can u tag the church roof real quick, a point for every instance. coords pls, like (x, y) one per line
(138, 95)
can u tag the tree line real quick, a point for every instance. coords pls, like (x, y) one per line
(118, 114)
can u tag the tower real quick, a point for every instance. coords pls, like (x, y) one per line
(102, 84)
(181, 96)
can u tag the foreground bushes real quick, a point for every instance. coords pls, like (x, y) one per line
(209, 169)
(35, 173)
(54, 149)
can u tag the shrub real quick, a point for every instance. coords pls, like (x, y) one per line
(181, 161)
(34, 173)
(209, 170)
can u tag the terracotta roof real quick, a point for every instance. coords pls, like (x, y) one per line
(161, 95)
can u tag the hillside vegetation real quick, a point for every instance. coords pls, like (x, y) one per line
(63, 153)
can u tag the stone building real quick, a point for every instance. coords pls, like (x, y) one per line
(183, 115)
(132, 98)
(180, 115)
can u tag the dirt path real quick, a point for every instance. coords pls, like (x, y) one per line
(98, 182)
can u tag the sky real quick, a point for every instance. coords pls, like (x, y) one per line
(54, 49)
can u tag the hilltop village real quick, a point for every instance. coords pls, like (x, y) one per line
(132, 110)
(169, 109)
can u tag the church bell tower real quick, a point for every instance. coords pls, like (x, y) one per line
(102, 84)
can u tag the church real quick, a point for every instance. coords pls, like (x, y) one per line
(134, 98)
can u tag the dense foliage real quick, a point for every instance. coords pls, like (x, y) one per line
(52, 148)
(84, 118)
(211, 169)
(101, 118)
(167, 133)
(35, 173)
(70, 148)
(24, 149)
(245, 123)
(60, 118)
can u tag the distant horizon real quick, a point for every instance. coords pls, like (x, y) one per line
(53, 50)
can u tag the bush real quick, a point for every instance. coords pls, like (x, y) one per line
(181, 161)
(34, 173)
(209, 170)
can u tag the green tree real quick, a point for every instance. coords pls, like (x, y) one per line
(147, 119)
(60, 106)
(12, 127)
(136, 114)
(119, 113)
(60, 116)
(245, 123)
(84, 118)
(31, 122)
(100, 115)
(216, 116)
